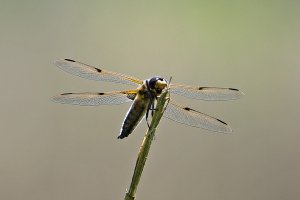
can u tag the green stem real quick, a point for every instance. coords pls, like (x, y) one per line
(145, 147)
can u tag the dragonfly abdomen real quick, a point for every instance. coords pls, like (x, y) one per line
(134, 116)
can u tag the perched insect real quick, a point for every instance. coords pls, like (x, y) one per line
(144, 97)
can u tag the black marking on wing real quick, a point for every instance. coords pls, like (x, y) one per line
(98, 70)
(131, 96)
(221, 121)
(70, 60)
(202, 88)
(187, 108)
(190, 109)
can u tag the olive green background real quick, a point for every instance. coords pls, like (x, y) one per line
(51, 151)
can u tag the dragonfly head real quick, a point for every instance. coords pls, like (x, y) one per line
(157, 84)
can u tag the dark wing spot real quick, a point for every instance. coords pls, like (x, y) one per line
(100, 93)
(187, 108)
(233, 89)
(131, 96)
(98, 70)
(70, 60)
(221, 121)
(66, 93)
(202, 88)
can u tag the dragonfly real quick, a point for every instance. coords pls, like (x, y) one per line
(144, 96)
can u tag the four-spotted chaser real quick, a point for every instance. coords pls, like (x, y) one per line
(144, 97)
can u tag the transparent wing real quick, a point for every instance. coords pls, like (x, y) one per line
(206, 93)
(191, 117)
(94, 99)
(93, 73)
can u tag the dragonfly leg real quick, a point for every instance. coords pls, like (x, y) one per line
(147, 113)
(152, 109)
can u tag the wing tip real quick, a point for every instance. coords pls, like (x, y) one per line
(225, 130)
(55, 99)
(242, 93)
(60, 98)
(58, 62)
(228, 130)
(239, 93)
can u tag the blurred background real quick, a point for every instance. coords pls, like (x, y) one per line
(51, 151)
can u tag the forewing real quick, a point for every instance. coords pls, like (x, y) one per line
(191, 117)
(93, 73)
(206, 93)
(94, 99)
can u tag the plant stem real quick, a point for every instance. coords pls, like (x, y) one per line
(145, 147)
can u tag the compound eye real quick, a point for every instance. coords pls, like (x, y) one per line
(152, 82)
